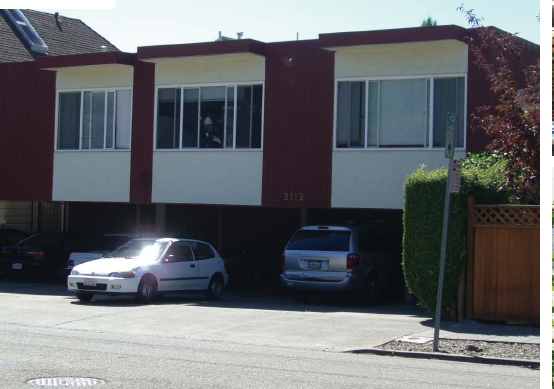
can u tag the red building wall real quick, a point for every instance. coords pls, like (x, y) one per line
(27, 112)
(298, 125)
(142, 135)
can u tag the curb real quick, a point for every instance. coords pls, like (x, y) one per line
(451, 357)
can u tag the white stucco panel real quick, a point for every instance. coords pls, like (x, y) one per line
(207, 177)
(375, 178)
(97, 76)
(92, 176)
(210, 69)
(402, 59)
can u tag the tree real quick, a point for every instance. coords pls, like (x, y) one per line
(428, 22)
(512, 125)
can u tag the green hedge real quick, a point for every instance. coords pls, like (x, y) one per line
(424, 196)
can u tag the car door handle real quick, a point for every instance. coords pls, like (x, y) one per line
(193, 265)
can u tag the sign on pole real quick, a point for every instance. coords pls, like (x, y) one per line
(449, 153)
(450, 131)
(456, 177)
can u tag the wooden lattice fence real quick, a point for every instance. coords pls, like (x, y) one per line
(503, 263)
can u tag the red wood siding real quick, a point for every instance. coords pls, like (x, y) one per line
(27, 109)
(142, 133)
(298, 125)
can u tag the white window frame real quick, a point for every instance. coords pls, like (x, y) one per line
(82, 92)
(430, 77)
(207, 85)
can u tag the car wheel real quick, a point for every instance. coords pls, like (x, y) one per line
(301, 295)
(371, 291)
(84, 297)
(146, 290)
(215, 288)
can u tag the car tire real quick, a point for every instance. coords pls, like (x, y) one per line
(215, 288)
(84, 297)
(371, 291)
(300, 295)
(146, 290)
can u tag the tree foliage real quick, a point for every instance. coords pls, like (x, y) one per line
(512, 125)
(428, 22)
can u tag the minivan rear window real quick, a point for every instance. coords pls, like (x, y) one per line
(320, 240)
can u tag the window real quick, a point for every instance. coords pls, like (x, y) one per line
(13, 237)
(228, 116)
(179, 252)
(320, 240)
(397, 113)
(94, 120)
(202, 251)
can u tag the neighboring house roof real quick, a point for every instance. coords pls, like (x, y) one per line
(72, 36)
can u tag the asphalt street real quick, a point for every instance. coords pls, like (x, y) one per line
(240, 342)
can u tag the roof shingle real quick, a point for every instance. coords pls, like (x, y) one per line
(72, 37)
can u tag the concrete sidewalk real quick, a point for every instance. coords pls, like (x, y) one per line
(269, 318)
(471, 330)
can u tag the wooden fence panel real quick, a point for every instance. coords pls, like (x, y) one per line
(506, 263)
(492, 241)
(503, 285)
(535, 278)
(479, 274)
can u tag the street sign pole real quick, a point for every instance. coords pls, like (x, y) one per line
(449, 153)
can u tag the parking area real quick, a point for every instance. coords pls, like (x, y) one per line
(257, 317)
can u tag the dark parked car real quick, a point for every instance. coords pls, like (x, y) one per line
(10, 236)
(44, 254)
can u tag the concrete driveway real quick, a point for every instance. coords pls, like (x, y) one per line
(254, 318)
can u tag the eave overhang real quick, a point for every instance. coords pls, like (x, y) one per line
(90, 59)
(160, 53)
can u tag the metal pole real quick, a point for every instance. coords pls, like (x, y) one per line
(443, 257)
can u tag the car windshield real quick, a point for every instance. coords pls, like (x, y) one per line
(320, 240)
(110, 242)
(141, 249)
(44, 239)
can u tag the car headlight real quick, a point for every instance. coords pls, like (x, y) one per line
(74, 273)
(122, 274)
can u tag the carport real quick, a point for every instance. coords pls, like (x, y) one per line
(250, 239)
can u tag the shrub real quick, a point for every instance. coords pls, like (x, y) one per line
(424, 198)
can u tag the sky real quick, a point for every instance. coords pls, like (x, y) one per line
(135, 23)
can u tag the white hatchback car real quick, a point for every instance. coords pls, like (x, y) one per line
(149, 267)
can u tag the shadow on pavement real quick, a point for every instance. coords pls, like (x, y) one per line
(276, 299)
(33, 287)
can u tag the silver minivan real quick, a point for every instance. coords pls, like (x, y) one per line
(342, 258)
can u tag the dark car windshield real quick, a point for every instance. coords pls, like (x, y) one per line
(110, 242)
(320, 240)
(43, 239)
(144, 249)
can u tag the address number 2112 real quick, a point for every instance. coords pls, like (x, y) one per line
(293, 196)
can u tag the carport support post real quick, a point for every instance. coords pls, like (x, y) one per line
(160, 219)
(303, 217)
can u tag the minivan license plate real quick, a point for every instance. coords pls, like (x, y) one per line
(314, 265)
(89, 282)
